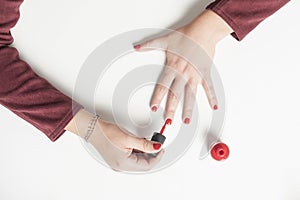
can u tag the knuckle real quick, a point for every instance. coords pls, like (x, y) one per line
(188, 110)
(171, 111)
(148, 44)
(160, 88)
(145, 144)
(170, 62)
(173, 96)
(214, 98)
(193, 81)
(168, 70)
(177, 95)
(179, 66)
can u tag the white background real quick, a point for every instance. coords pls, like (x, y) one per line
(261, 79)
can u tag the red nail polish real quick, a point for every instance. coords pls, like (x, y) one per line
(156, 146)
(169, 121)
(137, 46)
(154, 108)
(187, 120)
(215, 107)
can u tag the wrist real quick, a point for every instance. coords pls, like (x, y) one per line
(80, 123)
(208, 27)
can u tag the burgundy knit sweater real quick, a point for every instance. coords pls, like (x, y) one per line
(35, 100)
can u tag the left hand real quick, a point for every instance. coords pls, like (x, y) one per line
(179, 75)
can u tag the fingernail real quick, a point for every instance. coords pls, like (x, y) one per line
(156, 146)
(154, 108)
(169, 121)
(215, 107)
(187, 120)
(137, 46)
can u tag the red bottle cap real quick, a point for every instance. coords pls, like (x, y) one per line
(220, 151)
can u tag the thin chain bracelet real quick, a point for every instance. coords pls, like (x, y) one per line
(91, 127)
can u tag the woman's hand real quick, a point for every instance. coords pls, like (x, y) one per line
(179, 75)
(121, 151)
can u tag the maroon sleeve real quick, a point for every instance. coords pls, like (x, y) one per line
(24, 92)
(244, 15)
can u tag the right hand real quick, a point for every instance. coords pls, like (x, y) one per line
(121, 151)
(118, 148)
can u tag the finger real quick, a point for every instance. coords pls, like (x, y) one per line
(210, 92)
(162, 87)
(154, 160)
(139, 162)
(174, 97)
(143, 144)
(158, 43)
(189, 100)
(146, 162)
(134, 162)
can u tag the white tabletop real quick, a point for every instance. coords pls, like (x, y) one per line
(261, 80)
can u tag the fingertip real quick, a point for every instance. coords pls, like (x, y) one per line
(156, 146)
(160, 154)
(187, 120)
(215, 107)
(154, 108)
(169, 121)
(137, 47)
(213, 103)
(154, 159)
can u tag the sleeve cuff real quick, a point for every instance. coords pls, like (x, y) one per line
(60, 129)
(216, 7)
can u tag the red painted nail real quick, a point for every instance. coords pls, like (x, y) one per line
(169, 121)
(215, 107)
(187, 120)
(137, 46)
(156, 146)
(154, 108)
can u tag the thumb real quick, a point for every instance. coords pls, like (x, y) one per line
(158, 43)
(143, 145)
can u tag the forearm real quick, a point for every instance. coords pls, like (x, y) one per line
(31, 97)
(24, 92)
